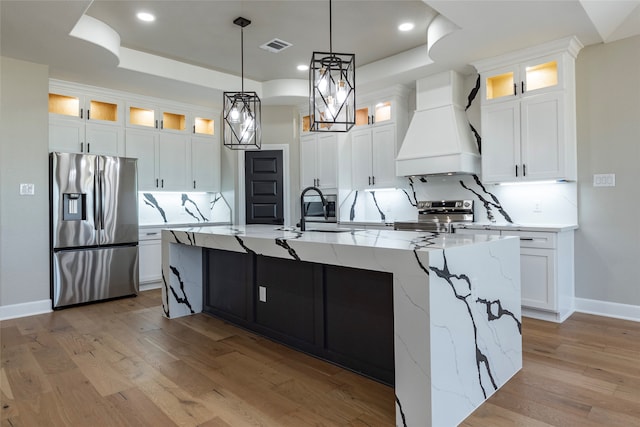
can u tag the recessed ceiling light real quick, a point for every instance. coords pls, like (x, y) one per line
(303, 67)
(406, 26)
(145, 16)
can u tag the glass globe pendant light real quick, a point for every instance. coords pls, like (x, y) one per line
(332, 89)
(242, 110)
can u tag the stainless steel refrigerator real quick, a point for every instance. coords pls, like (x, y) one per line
(94, 228)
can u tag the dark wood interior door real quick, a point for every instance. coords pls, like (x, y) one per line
(263, 177)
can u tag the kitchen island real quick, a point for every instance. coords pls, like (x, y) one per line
(456, 303)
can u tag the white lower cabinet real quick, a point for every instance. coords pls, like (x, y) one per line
(546, 271)
(150, 256)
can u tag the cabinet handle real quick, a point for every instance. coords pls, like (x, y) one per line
(161, 124)
(527, 238)
(151, 234)
(515, 89)
(516, 170)
(373, 119)
(156, 124)
(88, 147)
(162, 183)
(82, 147)
(317, 182)
(156, 182)
(373, 180)
(368, 120)
(522, 86)
(88, 114)
(81, 115)
(524, 170)
(194, 128)
(369, 180)
(194, 184)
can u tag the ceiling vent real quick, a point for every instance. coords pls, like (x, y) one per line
(275, 45)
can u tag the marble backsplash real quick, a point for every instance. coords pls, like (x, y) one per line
(161, 208)
(534, 203)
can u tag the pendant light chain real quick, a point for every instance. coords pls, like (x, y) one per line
(330, 32)
(242, 59)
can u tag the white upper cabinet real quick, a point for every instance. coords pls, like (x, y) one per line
(319, 160)
(145, 115)
(84, 121)
(528, 124)
(373, 153)
(205, 164)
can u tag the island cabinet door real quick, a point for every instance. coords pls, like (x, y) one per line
(289, 301)
(228, 280)
(359, 321)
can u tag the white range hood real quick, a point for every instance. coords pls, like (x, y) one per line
(439, 139)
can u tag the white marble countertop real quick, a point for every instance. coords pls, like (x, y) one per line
(372, 238)
(556, 228)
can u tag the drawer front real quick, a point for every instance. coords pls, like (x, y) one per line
(533, 239)
(149, 234)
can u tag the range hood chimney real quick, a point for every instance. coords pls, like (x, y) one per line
(439, 139)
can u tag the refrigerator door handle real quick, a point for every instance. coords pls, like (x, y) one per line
(96, 213)
(102, 197)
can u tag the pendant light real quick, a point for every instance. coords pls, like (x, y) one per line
(332, 89)
(242, 110)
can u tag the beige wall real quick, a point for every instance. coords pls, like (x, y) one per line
(24, 220)
(608, 117)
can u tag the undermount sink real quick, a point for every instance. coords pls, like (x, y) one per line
(332, 230)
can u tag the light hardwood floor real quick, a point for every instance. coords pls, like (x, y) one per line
(121, 363)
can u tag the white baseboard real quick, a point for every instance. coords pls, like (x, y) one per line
(25, 309)
(608, 309)
(150, 285)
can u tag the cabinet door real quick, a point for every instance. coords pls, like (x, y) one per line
(500, 85)
(105, 110)
(501, 142)
(361, 160)
(104, 139)
(173, 158)
(327, 161)
(150, 260)
(308, 173)
(228, 284)
(66, 135)
(205, 164)
(141, 115)
(542, 136)
(384, 156)
(542, 75)
(143, 145)
(537, 278)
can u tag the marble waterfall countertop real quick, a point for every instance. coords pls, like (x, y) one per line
(456, 302)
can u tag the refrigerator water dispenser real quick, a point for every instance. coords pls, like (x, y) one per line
(74, 207)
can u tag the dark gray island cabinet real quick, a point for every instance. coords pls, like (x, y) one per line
(435, 316)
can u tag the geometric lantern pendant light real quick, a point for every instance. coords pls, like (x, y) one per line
(332, 89)
(241, 113)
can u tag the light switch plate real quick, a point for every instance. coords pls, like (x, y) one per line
(262, 294)
(604, 180)
(27, 189)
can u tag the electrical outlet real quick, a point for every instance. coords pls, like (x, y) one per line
(537, 206)
(27, 189)
(262, 293)
(604, 180)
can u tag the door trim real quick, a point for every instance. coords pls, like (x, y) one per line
(286, 185)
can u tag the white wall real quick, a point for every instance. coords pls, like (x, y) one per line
(608, 117)
(24, 220)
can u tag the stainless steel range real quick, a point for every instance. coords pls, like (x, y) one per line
(438, 216)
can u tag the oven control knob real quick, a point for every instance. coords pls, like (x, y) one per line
(467, 204)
